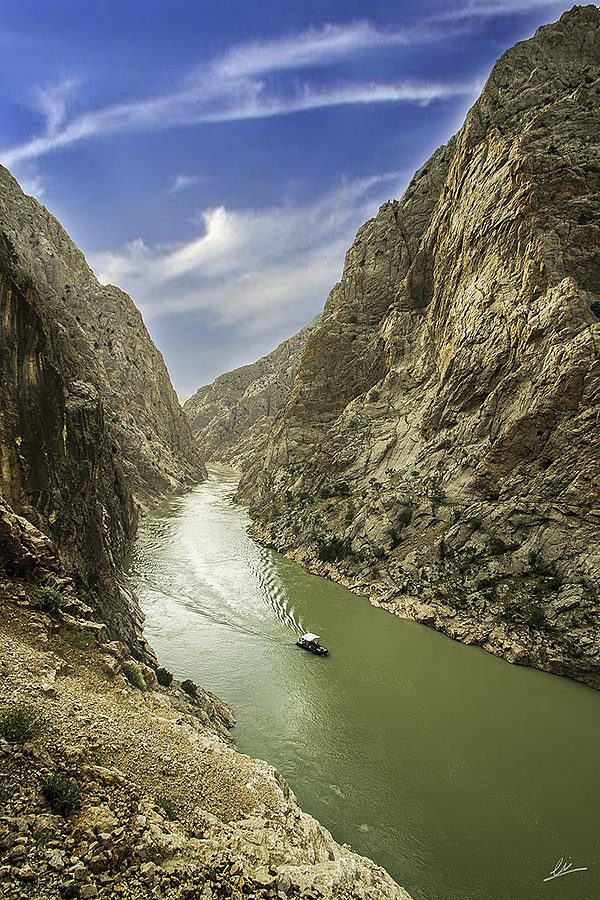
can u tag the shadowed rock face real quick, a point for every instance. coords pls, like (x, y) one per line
(231, 417)
(90, 428)
(438, 447)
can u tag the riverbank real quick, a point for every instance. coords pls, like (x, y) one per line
(450, 595)
(155, 800)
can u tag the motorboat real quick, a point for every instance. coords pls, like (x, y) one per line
(311, 643)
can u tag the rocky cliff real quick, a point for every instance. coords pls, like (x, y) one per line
(438, 448)
(90, 427)
(112, 786)
(231, 417)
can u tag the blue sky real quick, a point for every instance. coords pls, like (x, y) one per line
(215, 158)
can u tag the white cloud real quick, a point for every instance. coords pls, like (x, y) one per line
(309, 48)
(182, 181)
(236, 86)
(248, 268)
(33, 184)
(52, 101)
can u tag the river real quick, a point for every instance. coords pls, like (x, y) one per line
(466, 777)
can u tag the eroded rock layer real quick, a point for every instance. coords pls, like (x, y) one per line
(439, 445)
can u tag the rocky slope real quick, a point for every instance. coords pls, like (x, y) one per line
(111, 786)
(231, 417)
(90, 427)
(438, 448)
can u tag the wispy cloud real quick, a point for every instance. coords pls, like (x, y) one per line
(52, 101)
(494, 7)
(237, 86)
(309, 48)
(248, 268)
(182, 182)
(33, 184)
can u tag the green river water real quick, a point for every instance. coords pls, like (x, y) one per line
(466, 777)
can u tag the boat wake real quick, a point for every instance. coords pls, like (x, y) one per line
(274, 593)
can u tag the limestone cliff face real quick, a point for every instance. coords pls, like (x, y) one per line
(90, 427)
(438, 448)
(231, 417)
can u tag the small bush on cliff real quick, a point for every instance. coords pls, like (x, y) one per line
(77, 637)
(21, 722)
(48, 599)
(189, 687)
(62, 794)
(134, 674)
(164, 677)
(528, 613)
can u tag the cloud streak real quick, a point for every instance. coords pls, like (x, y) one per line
(238, 86)
(313, 47)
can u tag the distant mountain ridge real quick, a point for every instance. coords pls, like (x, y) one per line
(231, 417)
(438, 449)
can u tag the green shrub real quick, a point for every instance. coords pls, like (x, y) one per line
(189, 687)
(164, 677)
(20, 722)
(77, 637)
(62, 794)
(48, 599)
(134, 674)
(168, 806)
(528, 613)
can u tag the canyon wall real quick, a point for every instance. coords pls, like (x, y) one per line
(91, 431)
(438, 449)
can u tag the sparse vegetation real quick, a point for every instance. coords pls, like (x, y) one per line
(134, 674)
(404, 516)
(62, 794)
(497, 546)
(340, 489)
(394, 537)
(48, 599)
(189, 687)
(21, 722)
(331, 549)
(164, 677)
(528, 613)
(77, 637)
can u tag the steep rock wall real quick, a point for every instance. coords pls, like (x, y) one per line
(90, 428)
(438, 448)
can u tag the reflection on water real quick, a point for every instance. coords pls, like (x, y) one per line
(465, 777)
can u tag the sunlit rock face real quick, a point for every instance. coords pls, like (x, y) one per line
(90, 427)
(231, 417)
(439, 445)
